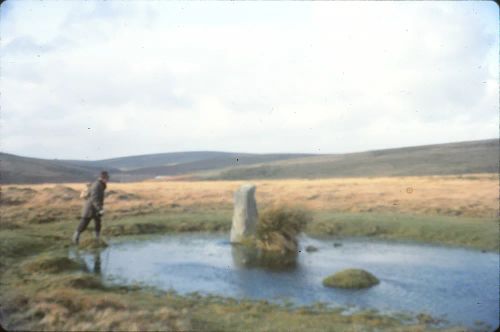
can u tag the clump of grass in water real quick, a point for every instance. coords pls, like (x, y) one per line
(278, 228)
(351, 278)
(275, 242)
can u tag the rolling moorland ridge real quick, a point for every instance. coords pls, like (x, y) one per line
(440, 159)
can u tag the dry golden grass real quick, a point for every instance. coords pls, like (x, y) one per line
(471, 196)
(69, 309)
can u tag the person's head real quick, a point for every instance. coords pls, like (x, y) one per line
(104, 176)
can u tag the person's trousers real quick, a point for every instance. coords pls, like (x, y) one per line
(85, 222)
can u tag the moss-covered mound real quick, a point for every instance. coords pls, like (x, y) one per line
(351, 278)
(92, 244)
(311, 249)
(50, 264)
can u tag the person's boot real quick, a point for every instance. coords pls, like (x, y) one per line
(76, 237)
(97, 238)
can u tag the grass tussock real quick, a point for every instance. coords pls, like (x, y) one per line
(455, 231)
(50, 264)
(15, 243)
(275, 245)
(179, 222)
(16, 196)
(352, 279)
(86, 281)
(278, 228)
(90, 243)
(73, 310)
(59, 193)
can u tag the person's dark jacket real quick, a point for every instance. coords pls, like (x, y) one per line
(95, 201)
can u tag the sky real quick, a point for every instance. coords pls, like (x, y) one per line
(102, 79)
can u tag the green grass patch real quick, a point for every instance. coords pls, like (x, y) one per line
(15, 243)
(477, 233)
(173, 222)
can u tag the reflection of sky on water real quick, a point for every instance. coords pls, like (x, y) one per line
(460, 284)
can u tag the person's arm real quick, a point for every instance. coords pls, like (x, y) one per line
(97, 196)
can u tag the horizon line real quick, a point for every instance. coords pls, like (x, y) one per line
(249, 153)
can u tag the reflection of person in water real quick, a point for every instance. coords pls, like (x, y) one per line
(92, 265)
(97, 262)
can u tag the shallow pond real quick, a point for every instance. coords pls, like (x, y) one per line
(459, 285)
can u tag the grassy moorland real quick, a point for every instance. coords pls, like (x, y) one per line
(43, 290)
(455, 210)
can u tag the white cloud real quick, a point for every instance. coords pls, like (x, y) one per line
(255, 77)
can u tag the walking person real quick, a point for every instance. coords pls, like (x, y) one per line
(94, 207)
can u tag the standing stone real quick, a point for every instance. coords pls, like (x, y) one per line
(245, 213)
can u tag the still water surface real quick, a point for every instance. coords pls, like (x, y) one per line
(459, 285)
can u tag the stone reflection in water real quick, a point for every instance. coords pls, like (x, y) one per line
(245, 256)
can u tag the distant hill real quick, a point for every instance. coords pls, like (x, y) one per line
(223, 160)
(152, 160)
(181, 162)
(440, 159)
(16, 169)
